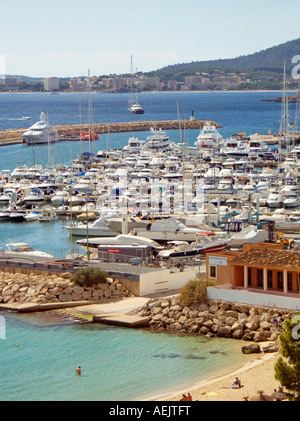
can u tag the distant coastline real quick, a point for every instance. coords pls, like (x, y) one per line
(153, 92)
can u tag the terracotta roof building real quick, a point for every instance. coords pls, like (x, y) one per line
(261, 268)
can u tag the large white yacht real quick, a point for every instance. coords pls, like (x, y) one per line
(135, 108)
(209, 138)
(40, 132)
(158, 140)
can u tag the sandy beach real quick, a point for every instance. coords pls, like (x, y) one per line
(256, 375)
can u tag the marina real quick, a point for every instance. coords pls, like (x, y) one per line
(120, 183)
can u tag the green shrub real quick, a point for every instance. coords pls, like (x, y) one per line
(89, 277)
(194, 292)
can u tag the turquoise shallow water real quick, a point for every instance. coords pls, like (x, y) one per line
(118, 364)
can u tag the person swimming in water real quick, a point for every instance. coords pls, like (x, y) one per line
(78, 370)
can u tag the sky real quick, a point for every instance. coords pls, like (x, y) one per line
(66, 38)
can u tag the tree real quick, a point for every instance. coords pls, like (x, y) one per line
(288, 372)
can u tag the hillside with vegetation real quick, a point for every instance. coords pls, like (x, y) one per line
(266, 63)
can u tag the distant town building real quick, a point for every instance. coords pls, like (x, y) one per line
(12, 82)
(172, 85)
(145, 83)
(118, 83)
(77, 84)
(225, 82)
(51, 84)
(192, 80)
(196, 82)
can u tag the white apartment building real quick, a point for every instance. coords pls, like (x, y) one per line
(51, 84)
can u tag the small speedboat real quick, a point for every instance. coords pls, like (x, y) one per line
(32, 216)
(17, 216)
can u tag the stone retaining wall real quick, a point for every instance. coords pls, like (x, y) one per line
(53, 288)
(216, 318)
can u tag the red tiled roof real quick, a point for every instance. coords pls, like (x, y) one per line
(286, 259)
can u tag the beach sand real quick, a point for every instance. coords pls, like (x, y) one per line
(254, 376)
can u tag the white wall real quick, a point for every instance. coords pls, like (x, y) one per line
(163, 280)
(254, 298)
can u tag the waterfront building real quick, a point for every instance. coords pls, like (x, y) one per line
(264, 269)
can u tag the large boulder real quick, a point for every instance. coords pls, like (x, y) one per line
(251, 349)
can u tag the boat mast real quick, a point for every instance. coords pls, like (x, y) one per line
(131, 101)
(89, 110)
(80, 128)
(284, 122)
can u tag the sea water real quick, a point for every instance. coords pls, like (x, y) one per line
(117, 363)
(40, 353)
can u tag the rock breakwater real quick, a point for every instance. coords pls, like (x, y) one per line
(54, 288)
(12, 136)
(216, 318)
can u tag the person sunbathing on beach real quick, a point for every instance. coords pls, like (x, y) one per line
(186, 398)
(236, 384)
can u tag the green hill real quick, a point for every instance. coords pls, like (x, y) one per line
(269, 60)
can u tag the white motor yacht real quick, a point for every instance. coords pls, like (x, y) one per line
(157, 141)
(250, 234)
(98, 228)
(291, 201)
(32, 216)
(209, 138)
(274, 199)
(40, 132)
(121, 239)
(60, 197)
(134, 107)
(34, 196)
(23, 251)
(234, 148)
(168, 229)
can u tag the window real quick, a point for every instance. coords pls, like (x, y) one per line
(280, 280)
(260, 276)
(290, 281)
(213, 271)
(270, 278)
(249, 276)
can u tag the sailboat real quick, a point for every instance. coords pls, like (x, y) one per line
(134, 106)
